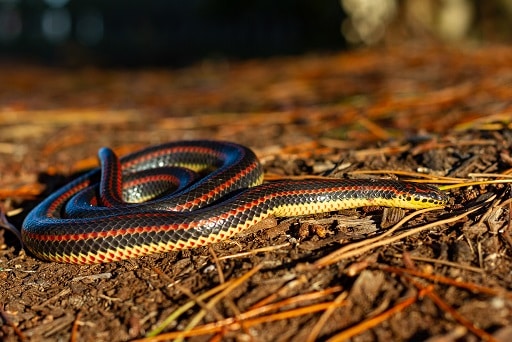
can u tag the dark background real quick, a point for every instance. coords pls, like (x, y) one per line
(162, 32)
(124, 33)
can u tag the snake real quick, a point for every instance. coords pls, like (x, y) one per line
(186, 194)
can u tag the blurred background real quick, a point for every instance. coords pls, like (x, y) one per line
(126, 33)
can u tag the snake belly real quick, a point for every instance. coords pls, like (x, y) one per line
(230, 198)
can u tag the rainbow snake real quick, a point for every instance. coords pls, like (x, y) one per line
(159, 199)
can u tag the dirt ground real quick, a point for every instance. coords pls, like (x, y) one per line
(369, 274)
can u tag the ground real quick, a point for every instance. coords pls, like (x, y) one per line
(442, 115)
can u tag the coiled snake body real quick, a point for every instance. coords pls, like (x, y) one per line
(89, 221)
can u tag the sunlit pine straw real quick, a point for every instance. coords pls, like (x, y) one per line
(185, 307)
(256, 310)
(428, 291)
(374, 321)
(360, 247)
(209, 306)
(254, 251)
(233, 323)
(245, 319)
(438, 279)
